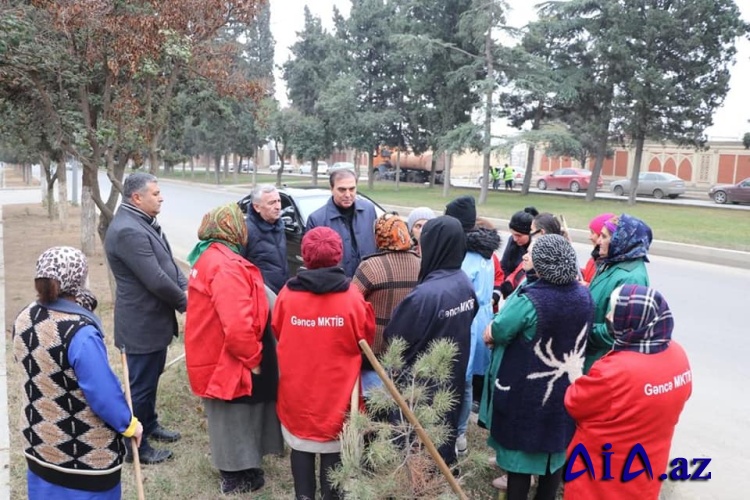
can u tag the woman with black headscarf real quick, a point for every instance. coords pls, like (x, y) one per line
(441, 306)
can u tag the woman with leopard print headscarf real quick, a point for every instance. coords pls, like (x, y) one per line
(74, 410)
(385, 278)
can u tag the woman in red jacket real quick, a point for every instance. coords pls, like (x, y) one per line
(632, 396)
(318, 320)
(229, 352)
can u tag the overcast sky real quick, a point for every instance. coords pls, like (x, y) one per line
(730, 121)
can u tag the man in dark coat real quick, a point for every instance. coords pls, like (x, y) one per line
(442, 305)
(352, 218)
(150, 288)
(266, 239)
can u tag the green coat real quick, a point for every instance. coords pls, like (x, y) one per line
(605, 281)
(517, 317)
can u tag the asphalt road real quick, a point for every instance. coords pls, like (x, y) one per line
(708, 302)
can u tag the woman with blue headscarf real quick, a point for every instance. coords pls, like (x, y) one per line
(623, 249)
(633, 395)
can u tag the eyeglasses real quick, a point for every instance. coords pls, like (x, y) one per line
(534, 233)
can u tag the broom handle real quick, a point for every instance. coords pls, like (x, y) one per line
(136, 457)
(412, 420)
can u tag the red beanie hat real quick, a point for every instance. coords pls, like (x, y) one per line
(322, 247)
(597, 222)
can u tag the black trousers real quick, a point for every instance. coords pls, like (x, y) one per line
(303, 473)
(144, 372)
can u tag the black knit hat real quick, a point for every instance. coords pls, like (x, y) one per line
(521, 221)
(464, 209)
(554, 259)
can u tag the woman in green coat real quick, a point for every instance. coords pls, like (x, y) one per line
(623, 248)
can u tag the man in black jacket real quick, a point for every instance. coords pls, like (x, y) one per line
(150, 288)
(266, 239)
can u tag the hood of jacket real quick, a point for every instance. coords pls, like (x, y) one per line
(482, 241)
(320, 281)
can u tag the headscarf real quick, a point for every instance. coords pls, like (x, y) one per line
(224, 224)
(597, 223)
(554, 259)
(464, 209)
(321, 247)
(418, 214)
(631, 239)
(391, 233)
(67, 266)
(443, 245)
(642, 321)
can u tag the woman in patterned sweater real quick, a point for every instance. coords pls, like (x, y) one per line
(74, 413)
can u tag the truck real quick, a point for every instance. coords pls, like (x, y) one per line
(413, 168)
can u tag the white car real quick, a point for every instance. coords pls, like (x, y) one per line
(306, 167)
(288, 167)
(341, 165)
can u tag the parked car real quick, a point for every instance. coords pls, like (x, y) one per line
(306, 168)
(573, 179)
(658, 184)
(296, 206)
(339, 165)
(288, 168)
(732, 193)
(247, 166)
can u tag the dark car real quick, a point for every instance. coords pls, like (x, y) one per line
(573, 179)
(296, 206)
(732, 193)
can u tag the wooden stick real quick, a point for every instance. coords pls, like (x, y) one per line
(412, 420)
(134, 447)
(175, 360)
(355, 397)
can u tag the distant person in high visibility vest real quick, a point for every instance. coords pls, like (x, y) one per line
(508, 177)
(495, 176)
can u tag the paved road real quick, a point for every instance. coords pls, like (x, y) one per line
(709, 303)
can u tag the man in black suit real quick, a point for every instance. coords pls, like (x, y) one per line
(150, 288)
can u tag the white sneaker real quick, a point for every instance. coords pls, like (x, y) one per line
(461, 445)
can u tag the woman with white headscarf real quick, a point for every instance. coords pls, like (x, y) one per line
(74, 410)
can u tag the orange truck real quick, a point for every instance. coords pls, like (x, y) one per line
(413, 168)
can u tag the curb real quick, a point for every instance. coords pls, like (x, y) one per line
(4, 427)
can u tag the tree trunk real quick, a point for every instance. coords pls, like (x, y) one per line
(398, 169)
(62, 194)
(217, 161)
(601, 153)
(88, 221)
(192, 167)
(447, 174)
(370, 170)
(529, 167)
(636, 168)
(487, 139)
(314, 171)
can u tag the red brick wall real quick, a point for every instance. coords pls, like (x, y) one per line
(621, 163)
(654, 165)
(685, 172)
(670, 166)
(726, 169)
(743, 168)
